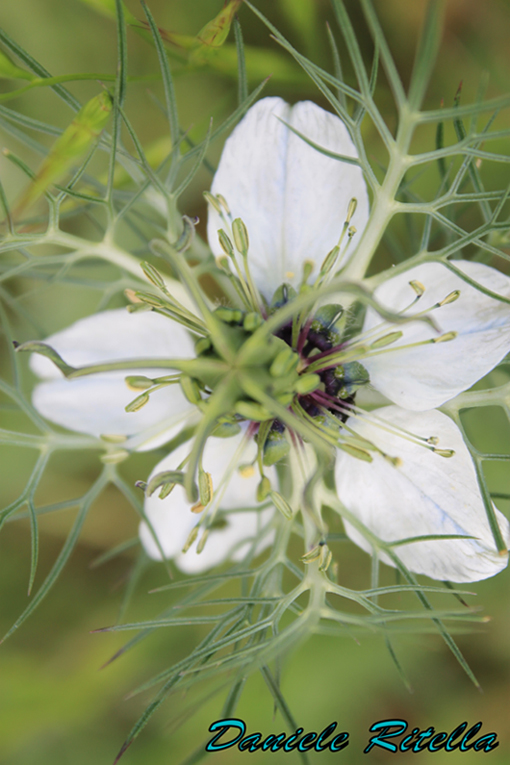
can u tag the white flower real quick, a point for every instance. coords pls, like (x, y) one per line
(293, 201)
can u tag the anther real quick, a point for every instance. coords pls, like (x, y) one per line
(451, 298)
(213, 201)
(240, 234)
(445, 338)
(417, 286)
(351, 209)
(388, 339)
(444, 452)
(223, 202)
(191, 538)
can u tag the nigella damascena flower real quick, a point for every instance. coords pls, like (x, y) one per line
(402, 470)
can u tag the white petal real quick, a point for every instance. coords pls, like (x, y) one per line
(426, 376)
(292, 198)
(172, 520)
(95, 404)
(428, 494)
(113, 336)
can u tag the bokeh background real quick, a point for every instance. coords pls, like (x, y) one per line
(56, 706)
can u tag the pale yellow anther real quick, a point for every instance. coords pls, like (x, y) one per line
(191, 538)
(351, 209)
(247, 471)
(417, 286)
(451, 298)
(223, 202)
(289, 274)
(198, 508)
(213, 201)
(203, 540)
(445, 338)
(444, 452)
(131, 296)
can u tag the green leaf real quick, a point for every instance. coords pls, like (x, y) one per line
(9, 70)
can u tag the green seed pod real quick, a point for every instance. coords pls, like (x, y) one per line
(329, 322)
(355, 376)
(276, 448)
(284, 294)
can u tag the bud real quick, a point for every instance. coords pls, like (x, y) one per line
(190, 388)
(388, 339)
(263, 489)
(307, 384)
(139, 382)
(281, 504)
(240, 234)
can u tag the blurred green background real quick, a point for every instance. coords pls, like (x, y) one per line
(56, 707)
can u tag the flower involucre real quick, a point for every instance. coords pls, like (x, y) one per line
(415, 478)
